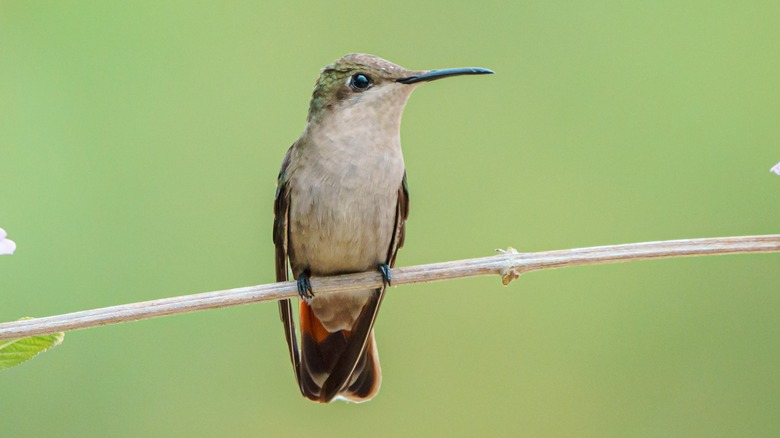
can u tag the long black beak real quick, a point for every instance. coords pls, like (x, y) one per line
(445, 73)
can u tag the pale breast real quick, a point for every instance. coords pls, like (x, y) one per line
(342, 211)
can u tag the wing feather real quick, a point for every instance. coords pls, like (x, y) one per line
(281, 238)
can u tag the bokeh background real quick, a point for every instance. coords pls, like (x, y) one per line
(139, 145)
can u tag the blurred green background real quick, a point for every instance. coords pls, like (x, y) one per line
(139, 145)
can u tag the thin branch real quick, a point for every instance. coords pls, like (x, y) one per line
(509, 264)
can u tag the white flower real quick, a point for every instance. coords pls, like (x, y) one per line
(776, 169)
(7, 246)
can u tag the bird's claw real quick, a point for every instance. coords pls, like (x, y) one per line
(384, 269)
(304, 287)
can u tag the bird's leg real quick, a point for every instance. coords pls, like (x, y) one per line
(304, 286)
(384, 269)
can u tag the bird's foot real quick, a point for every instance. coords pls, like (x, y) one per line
(384, 269)
(304, 286)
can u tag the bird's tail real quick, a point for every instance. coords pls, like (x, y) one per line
(338, 364)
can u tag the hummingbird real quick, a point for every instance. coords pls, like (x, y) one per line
(340, 207)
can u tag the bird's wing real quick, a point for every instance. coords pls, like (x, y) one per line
(401, 214)
(281, 214)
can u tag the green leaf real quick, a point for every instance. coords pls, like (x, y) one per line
(15, 351)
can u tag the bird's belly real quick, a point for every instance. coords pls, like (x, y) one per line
(342, 213)
(336, 235)
(339, 234)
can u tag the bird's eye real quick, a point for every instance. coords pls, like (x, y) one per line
(360, 82)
